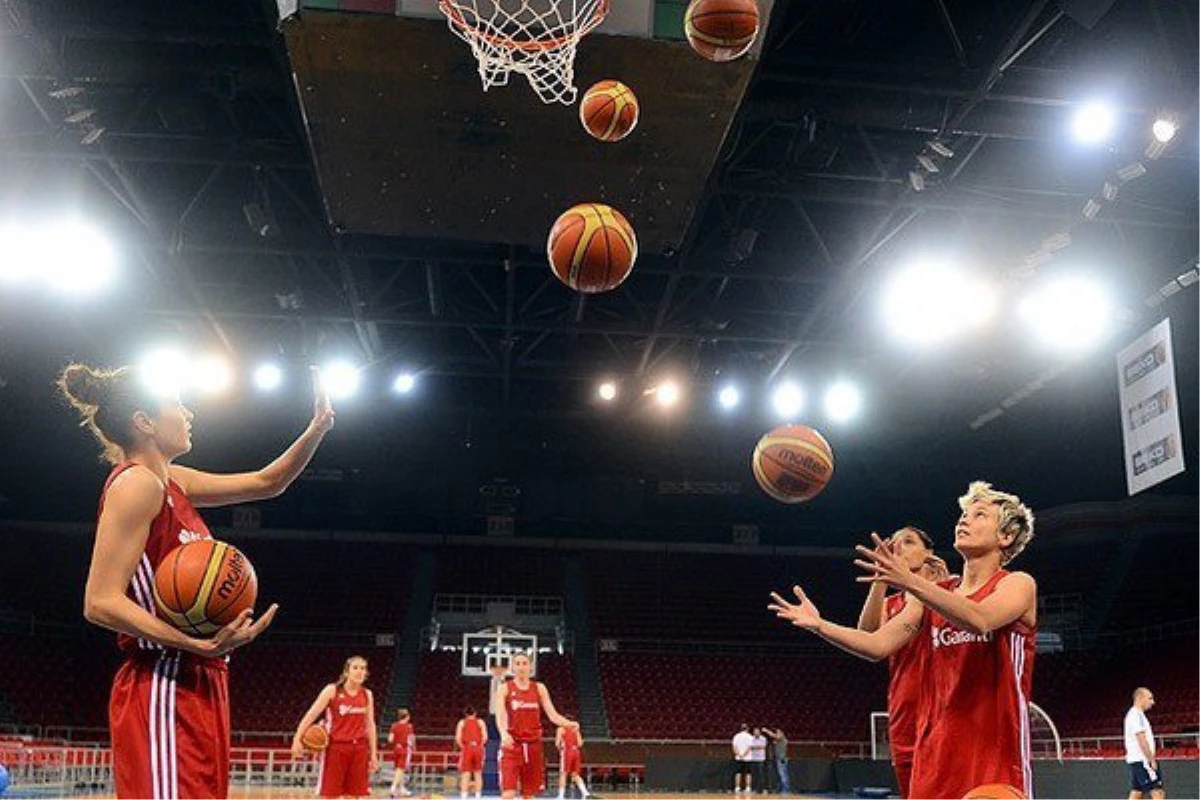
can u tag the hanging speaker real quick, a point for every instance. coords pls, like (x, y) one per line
(1086, 12)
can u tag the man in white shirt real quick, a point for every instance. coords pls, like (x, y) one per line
(743, 742)
(1144, 775)
(758, 758)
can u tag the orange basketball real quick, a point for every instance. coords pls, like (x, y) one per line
(996, 791)
(792, 463)
(315, 738)
(609, 111)
(592, 248)
(202, 585)
(721, 30)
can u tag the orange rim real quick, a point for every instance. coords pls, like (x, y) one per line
(451, 9)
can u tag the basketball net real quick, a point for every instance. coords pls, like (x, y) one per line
(536, 38)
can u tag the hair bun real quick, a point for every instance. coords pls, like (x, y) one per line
(83, 386)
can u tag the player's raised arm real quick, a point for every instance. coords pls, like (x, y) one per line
(207, 489)
(872, 646)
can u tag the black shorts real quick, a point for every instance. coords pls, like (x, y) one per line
(742, 768)
(1142, 778)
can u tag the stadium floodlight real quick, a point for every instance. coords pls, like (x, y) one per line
(729, 397)
(1069, 314)
(607, 391)
(268, 377)
(930, 303)
(788, 400)
(1164, 129)
(404, 383)
(212, 374)
(667, 393)
(340, 379)
(842, 401)
(1093, 123)
(164, 371)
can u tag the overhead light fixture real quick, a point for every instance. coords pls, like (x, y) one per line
(1164, 129)
(1071, 313)
(83, 115)
(92, 136)
(788, 401)
(927, 163)
(917, 181)
(940, 148)
(1131, 172)
(1109, 191)
(405, 382)
(267, 377)
(607, 390)
(1093, 123)
(1057, 241)
(1091, 209)
(65, 92)
(729, 397)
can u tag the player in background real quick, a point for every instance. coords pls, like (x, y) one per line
(470, 736)
(569, 742)
(519, 707)
(906, 667)
(982, 630)
(348, 708)
(403, 740)
(169, 705)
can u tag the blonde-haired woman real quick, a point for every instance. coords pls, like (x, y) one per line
(348, 708)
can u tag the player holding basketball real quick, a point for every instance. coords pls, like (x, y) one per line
(403, 740)
(353, 753)
(569, 742)
(982, 628)
(906, 667)
(519, 706)
(169, 706)
(470, 736)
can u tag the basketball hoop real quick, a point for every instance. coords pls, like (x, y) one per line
(536, 38)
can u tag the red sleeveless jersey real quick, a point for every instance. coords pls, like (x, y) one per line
(570, 738)
(906, 669)
(177, 522)
(402, 735)
(524, 712)
(346, 716)
(472, 732)
(975, 728)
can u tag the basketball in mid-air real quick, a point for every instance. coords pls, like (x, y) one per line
(609, 111)
(721, 30)
(315, 738)
(592, 248)
(792, 463)
(201, 586)
(995, 791)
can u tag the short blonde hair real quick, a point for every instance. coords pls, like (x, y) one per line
(1015, 517)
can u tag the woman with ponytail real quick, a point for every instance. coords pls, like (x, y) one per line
(347, 711)
(169, 705)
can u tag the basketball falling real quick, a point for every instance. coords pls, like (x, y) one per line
(592, 248)
(201, 586)
(721, 30)
(792, 463)
(609, 111)
(995, 791)
(315, 738)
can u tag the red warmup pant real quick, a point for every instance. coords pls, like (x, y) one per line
(169, 718)
(522, 768)
(344, 769)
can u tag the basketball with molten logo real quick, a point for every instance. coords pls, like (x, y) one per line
(201, 586)
(792, 463)
(609, 111)
(592, 248)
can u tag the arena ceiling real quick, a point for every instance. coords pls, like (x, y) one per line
(177, 127)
